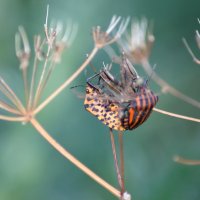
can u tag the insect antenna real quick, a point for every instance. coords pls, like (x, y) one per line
(80, 95)
(150, 75)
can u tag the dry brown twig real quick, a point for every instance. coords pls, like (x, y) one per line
(185, 161)
(197, 36)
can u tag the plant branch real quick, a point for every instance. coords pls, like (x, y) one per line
(37, 94)
(67, 82)
(195, 59)
(32, 82)
(9, 108)
(12, 119)
(24, 74)
(71, 158)
(184, 161)
(121, 150)
(8, 92)
(119, 178)
(167, 87)
(176, 115)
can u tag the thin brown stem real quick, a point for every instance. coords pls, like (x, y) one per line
(184, 161)
(67, 82)
(12, 119)
(166, 87)
(30, 101)
(195, 59)
(41, 77)
(24, 74)
(8, 95)
(121, 150)
(44, 82)
(119, 178)
(9, 108)
(176, 115)
(11, 95)
(72, 159)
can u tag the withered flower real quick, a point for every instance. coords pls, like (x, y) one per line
(137, 44)
(114, 31)
(48, 52)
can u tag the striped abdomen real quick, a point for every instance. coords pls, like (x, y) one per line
(139, 110)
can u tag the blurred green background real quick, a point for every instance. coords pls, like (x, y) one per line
(31, 169)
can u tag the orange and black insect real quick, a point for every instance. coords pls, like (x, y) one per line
(98, 104)
(139, 109)
(120, 104)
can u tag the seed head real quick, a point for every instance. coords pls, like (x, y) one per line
(22, 48)
(112, 34)
(137, 44)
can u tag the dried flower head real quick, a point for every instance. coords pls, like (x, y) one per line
(22, 48)
(137, 44)
(48, 52)
(117, 26)
(197, 37)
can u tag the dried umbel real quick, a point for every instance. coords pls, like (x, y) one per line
(121, 104)
(137, 45)
(138, 42)
(48, 52)
(112, 34)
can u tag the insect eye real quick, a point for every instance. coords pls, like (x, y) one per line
(87, 91)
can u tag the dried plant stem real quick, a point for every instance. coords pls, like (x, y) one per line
(195, 59)
(38, 90)
(8, 108)
(5, 88)
(12, 119)
(72, 159)
(176, 115)
(67, 82)
(35, 64)
(167, 87)
(44, 83)
(121, 150)
(24, 74)
(184, 161)
(119, 178)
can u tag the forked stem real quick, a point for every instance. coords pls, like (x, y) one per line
(67, 82)
(72, 159)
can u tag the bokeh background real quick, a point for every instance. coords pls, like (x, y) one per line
(31, 169)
